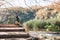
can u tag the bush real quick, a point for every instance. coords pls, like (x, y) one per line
(51, 27)
(54, 22)
(57, 23)
(42, 24)
(50, 24)
(35, 24)
(28, 25)
(51, 21)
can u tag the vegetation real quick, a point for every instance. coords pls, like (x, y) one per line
(50, 24)
(24, 14)
(51, 27)
(49, 17)
(34, 24)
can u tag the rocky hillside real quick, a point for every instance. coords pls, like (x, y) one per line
(51, 11)
(8, 15)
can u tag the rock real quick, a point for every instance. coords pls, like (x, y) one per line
(45, 35)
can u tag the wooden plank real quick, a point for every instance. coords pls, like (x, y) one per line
(15, 39)
(7, 29)
(14, 35)
(8, 25)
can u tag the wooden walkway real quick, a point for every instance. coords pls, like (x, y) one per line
(13, 31)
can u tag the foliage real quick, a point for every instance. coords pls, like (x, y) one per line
(57, 23)
(51, 27)
(28, 25)
(35, 24)
(51, 21)
(50, 24)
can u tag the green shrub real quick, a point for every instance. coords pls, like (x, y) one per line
(29, 24)
(51, 27)
(35, 24)
(51, 21)
(51, 24)
(42, 24)
(57, 23)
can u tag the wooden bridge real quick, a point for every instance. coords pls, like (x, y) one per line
(13, 31)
